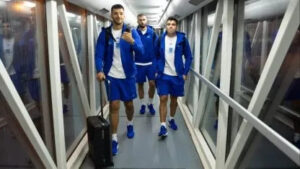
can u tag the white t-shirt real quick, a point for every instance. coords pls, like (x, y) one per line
(8, 51)
(170, 43)
(116, 69)
(144, 31)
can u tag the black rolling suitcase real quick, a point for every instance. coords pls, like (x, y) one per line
(99, 137)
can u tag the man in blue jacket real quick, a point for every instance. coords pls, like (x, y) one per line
(8, 55)
(115, 63)
(146, 65)
(171, 71)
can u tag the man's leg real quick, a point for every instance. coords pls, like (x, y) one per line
(173, 106)
(129, 112)
(129, 109)
(163, 108)
(151, 92)
(114, 107)
(151, 89)
(141, 97)
(163, 115)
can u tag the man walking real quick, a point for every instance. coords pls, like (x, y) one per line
(146, 65)
(115, 64)
(172, 71)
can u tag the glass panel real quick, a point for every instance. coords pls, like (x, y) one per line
(209, 124)
(78, 29)
(21, 52)
(281, 111)
(74, 119)
(259, 35)
(266, 155)
(12, 155)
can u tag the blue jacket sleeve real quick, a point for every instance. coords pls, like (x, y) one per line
(188, 57)
(138, 46)
(1, 46)
(100, 51)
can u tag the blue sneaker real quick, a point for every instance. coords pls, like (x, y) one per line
(216, 125)
(130, 131)
(172, 124)
(143, 109)
(163, 131)
(65, 108)
(151, 109)
(115, 147)
(297, 144)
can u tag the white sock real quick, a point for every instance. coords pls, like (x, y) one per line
(142, 101)
(129, 122)
(163, 124)
(171, 118)
(296, 137)
(114, 137)
(150, 101)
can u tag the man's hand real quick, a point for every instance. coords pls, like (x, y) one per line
(100, 76)
(184, 77)
(127, 36)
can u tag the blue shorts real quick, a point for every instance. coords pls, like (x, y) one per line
(173, 85)
(34, 89)
(120, 89)
(143, 72)
(63, 75)
(17, 83)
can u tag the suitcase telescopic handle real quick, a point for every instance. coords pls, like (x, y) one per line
(101, 98)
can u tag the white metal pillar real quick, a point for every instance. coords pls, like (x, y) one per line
(56, 95)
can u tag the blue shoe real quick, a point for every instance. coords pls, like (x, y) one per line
(65, 108)
(115, 147)
(151, 109)
(172, 124)
(297, 144)
(216, 125)
(143, 109)
(130, 131)
(163, 131)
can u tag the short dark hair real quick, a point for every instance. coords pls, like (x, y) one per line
(141, 14)
(171, 18)
(116, 6)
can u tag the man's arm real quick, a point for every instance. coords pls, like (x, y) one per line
(137, 45)
(188, 57)
(99, 54)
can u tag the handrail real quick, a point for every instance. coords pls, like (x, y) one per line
(284, 145)
(281, 107)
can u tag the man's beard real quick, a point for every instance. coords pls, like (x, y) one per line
(142, 26)
(118, 23)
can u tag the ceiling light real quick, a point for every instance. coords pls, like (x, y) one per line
(29, 4)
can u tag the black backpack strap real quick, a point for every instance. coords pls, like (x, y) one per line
(107, 35)
(159, 39)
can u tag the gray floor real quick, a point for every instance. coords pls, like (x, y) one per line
(147, 151)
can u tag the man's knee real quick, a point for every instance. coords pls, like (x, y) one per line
(141, 85)
(151, 84)
(163, 99)
(114, 106)
(173, 100)
(129, 104)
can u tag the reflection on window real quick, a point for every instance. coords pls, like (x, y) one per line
(20, 56)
